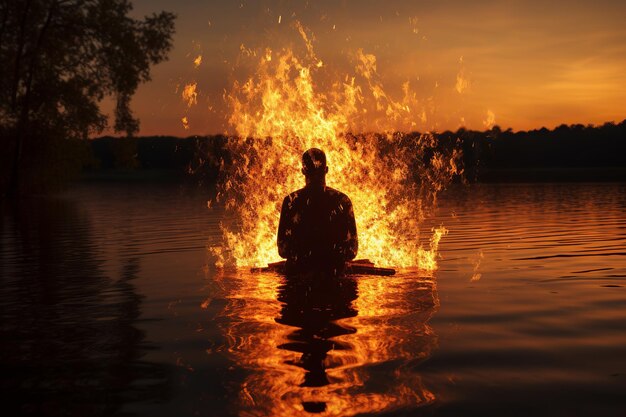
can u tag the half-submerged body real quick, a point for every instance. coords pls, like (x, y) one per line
(317, 230)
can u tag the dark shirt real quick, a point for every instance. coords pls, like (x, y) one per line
(317, 230)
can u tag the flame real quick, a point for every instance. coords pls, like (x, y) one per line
(197, 61)
(413, 22)
(281, 110)
(190, 96)
(490, 121)
(428, 257)
(185, 122)
(462, 83)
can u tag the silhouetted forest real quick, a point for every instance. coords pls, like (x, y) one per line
(567, 153)
(196, 158)
(59, 60)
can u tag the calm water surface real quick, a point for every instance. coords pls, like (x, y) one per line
(110, 305)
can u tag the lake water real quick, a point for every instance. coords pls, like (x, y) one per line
(110, 305)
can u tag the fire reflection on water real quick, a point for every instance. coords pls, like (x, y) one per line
(337, 347)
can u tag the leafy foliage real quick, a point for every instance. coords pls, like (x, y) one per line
(61, 58)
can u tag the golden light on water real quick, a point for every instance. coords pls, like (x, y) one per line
(322, 345)
(293, 101)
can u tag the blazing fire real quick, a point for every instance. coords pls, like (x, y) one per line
(462, 83)
(293, 102)
(189, 94)
(490, 121)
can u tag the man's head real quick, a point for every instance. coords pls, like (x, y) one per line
(314, 165)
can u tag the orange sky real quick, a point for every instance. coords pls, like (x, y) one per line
(523, 64)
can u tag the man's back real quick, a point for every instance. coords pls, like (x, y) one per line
(317, 230)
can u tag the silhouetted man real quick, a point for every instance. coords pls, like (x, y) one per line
(317, 231)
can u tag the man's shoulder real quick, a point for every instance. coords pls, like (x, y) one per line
(338, 195)
(293, 197)
(305, 192)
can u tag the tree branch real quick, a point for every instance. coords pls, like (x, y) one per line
(5, 16)
(18, 56)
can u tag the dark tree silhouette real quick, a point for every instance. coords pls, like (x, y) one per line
(60, 59)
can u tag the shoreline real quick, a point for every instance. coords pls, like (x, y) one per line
(486, 175)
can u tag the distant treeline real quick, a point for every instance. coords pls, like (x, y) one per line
(195, 158)
(570, 153)
(567, 153)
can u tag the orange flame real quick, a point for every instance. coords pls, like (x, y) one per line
(462, 82)
(413, 22)
(190, 96)
(490, 121)
(281, 110)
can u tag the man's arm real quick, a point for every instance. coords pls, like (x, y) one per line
(351, 246)
(284, 231)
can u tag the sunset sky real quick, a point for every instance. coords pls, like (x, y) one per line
(518, 64)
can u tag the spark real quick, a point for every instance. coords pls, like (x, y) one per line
(197, 61)
(189, 94)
